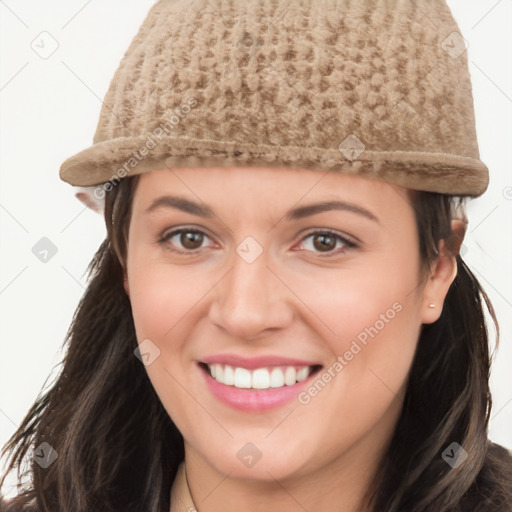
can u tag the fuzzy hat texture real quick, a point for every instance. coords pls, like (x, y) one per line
(374, 88)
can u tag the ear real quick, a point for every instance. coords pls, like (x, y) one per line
(125, 283)
(459, 227)
(442, 273)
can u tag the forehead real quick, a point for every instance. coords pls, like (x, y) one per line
(269, 191)
(262, 180)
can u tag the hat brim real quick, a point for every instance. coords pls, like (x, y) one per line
(114, 159)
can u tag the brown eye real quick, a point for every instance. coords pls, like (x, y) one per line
(326, 242)
(188, 240)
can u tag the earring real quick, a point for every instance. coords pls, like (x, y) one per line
(431, 305)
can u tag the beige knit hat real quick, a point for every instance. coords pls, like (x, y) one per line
(373, 88)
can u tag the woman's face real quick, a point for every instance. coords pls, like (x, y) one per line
(267, 288)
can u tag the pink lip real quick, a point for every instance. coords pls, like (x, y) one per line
(254, 400)
(256, 362)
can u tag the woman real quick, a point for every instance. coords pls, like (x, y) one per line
(279, 317)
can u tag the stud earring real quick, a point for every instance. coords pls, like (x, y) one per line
(431, 305)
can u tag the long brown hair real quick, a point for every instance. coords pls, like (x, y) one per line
(119, 450)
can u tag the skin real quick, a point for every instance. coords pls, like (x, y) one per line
(293, 301)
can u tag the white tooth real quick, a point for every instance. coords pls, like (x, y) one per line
(219, 373)
(276, 378)
(260, 379)
(290, 376)
(229, 375)
(302, 374)
(242, 378)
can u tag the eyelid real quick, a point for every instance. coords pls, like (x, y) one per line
(344, 236)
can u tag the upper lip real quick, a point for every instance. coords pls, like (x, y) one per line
(256, 362)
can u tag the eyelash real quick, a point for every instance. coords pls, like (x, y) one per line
(348, 243)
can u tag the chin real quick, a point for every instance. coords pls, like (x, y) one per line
(258, 461)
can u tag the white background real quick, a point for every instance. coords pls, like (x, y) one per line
(49, 111)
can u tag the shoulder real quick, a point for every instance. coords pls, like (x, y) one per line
(492, 489)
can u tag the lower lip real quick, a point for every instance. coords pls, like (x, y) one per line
(253, 400)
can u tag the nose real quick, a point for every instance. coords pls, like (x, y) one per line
(251, 300)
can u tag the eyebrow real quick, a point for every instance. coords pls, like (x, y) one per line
(188, 206)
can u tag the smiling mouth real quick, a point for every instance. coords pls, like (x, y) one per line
(259, 378)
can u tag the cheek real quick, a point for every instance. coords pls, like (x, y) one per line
(370, 321)
(162, 297)
(165, 303)
(371, 328)
(379, 299)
